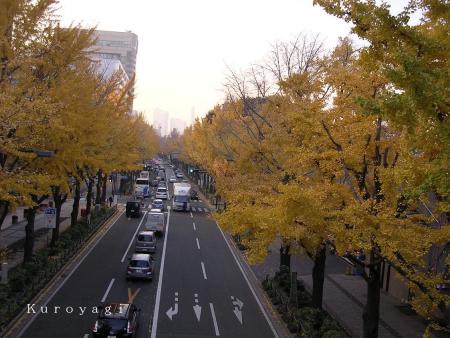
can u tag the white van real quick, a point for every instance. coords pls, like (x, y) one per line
(155, 222)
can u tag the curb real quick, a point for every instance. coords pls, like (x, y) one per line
(18, 324)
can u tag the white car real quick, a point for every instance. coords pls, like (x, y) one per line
(172, 179)
(161, 193)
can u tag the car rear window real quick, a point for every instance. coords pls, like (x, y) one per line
(139, 264)
(114, 324)
(162, 189)
(133, 204)
(141, 181)
(145, 238)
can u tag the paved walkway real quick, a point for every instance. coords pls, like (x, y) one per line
(345, 296)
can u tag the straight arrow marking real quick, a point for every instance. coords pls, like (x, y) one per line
(198, 311)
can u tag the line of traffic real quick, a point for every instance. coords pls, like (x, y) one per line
(132, 238)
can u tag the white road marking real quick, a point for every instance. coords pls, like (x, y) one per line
(192, 216)
(204, 272)
(158, 293)
(213, 314)
(193, 224)
(248, 283)
(27, 324)
(132, 238)
(193, 209)
(198, 245)
(107, 290)
(206, 209)
(86, 335)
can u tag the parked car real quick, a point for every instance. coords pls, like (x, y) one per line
(116, 320)
(172, 179)
(133, 209)
(179, 175)
(161, 193)
(145, 242)
(158, 204)
(140, 266)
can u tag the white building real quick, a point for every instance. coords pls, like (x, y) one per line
(161, 122)
(122, 46)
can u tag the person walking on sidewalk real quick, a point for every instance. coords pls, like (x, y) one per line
(110, 199)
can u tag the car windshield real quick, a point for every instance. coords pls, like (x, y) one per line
(181, 199)
(145, 238)
(139, 264)
(141, 181)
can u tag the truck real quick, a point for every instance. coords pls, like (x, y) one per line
(181, 196)
(144, 174)
(142, 188)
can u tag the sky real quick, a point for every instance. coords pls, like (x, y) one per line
(185, 46)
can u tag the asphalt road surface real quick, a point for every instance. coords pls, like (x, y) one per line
(198, 288)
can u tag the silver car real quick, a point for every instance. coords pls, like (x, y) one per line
(145, 242)
(140, 266)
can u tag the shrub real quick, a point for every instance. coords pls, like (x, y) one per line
(334, 334)
(293, 327)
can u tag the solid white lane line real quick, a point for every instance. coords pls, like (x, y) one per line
(86, 335)
(132, 238)
(32, 319)
(161, 271)
(193, 224)
(248, 283)
(204, 272)
(198, 244)
(213, 314)
(107, 290)
(192, 216)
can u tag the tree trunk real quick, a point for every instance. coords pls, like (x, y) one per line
(318, 275)
(76, 204)
(104, 180)
(59, 201)
(30, 215)
(98, 187)
(371, 313)
(89, 195)
(285, 256)
(4, 209)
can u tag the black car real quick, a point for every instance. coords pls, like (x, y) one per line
(194, 195)
(133, 209)
(116, 320)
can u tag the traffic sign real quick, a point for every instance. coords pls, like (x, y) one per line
(50, 217)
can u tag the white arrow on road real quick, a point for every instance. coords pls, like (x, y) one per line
(172, 312)
(238, 314)
(237, 308)
(198, 311)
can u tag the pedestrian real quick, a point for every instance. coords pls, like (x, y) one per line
(110, 199)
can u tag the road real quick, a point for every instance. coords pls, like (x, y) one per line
(198, 289)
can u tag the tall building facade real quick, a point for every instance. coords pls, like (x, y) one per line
(178, 124)
(122, 46)
(161, 122)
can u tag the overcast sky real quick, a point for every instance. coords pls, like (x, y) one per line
(185, 45)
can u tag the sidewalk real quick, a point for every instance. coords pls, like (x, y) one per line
(345, 296)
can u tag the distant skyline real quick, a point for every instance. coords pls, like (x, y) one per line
(185, 46)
